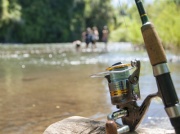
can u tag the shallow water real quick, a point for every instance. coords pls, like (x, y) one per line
(42, 84)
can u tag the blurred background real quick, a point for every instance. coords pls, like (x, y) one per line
(44, 78)
(56, 21)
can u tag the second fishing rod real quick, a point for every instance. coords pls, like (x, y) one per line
(156, 53)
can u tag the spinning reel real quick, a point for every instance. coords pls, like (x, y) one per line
(124, 91)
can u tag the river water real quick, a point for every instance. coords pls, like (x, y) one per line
(43, 84)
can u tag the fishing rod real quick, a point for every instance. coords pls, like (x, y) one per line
(124, 86)
(161, 71)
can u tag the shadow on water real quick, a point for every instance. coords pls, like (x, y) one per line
(42, 84)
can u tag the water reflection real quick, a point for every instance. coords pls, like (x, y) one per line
(44, 84)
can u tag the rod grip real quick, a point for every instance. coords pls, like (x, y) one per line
(153, 44)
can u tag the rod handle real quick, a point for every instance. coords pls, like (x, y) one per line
(153, 44)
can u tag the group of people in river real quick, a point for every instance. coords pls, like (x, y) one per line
(91, 36)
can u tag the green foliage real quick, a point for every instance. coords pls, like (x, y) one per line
(164, 14)
(167, 23)
(10, 17)
(128, 26)
(39, 21)
(45, 20)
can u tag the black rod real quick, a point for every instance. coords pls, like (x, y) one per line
(142, 12)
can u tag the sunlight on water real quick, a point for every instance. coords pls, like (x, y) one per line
(57, 54)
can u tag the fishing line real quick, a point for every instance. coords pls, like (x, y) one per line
(103, 74)
(120, 5)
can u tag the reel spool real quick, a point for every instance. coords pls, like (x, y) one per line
(122, 89)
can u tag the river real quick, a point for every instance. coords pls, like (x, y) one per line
(43, 84)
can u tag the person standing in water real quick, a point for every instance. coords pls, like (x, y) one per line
(95, 36)
(88, 36)
(105, 34)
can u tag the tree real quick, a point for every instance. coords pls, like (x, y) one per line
(46, 20)
(35, 21)
(10, 19)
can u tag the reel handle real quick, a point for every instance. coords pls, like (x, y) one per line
(111, 127)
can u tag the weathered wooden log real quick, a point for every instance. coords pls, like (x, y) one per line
(81, 125)
(76, 125)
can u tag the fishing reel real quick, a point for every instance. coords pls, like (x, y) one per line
(124, 92)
